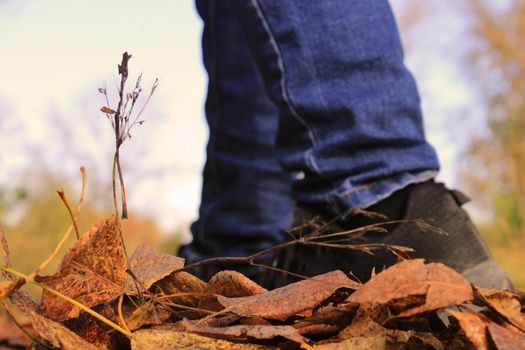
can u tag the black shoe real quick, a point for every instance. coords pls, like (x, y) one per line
(454, 240)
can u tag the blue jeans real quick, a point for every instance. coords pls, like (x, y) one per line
(308, 102)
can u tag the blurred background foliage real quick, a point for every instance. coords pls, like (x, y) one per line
(491, 168)
(495, 161)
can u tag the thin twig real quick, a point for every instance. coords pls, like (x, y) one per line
(122, 189)
(62, 195)
(120, 316)
(68, 232)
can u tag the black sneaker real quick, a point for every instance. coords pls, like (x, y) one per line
(454, 240)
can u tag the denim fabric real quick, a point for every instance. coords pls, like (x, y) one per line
(323, 81)
(246, 199)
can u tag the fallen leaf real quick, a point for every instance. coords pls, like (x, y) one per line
(150, 266)
(252, 321)
(363, 325)
(58, 335)
(183, 288)
(504, 303)
(441, 285)
(281, 303)
(88, 329)
(505, 339)
(181, 282)
(162, 339)
(358, 343)
(233, 284)
(246, 331)
(93, 271)
(318, 329)
(326, 320)
(474, 327)
(148, 313)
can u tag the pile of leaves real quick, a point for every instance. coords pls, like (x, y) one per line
(101, 299)
(98, 299)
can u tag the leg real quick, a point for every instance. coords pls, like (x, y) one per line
(246, 197)
(351, 120)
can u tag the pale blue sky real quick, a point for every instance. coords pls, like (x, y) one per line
(55, 53)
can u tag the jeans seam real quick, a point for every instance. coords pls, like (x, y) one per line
(308, 157)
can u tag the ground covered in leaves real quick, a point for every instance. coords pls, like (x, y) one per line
(98, 299)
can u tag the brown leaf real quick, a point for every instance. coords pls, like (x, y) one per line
(233, 284)
(165, 339)
(93, 271)
(474, 327)
(281, 303)
(254, 321)
(88, 329)
(327, 320)
(182, 282)
(362, 325)
(441, 285)
(411, 339)
(358, 343)
(148, 313)
(504, 303)
(58, 335)
(317, 329)
(246, 331)
(150, 266)
(505, 339)
(107, 110)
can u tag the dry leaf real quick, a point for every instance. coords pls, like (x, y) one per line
(358, 343)
(162, 339)
(150, 266)
(148, 313)
(93, 271)
(326, 320)
(233, 284)
(474, 327)
(441, 285)
(363, 325)
(58, 335)
(88, 329)
(107, 110)
(182, 282)
(504, 303)
(246, 331)
(281, 303)
(505, 339)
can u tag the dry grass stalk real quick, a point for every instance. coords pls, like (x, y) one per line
(123, 121)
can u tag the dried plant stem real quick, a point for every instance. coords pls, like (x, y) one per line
(317, 237)
(113, 184)
(68, 232)
(122, 188)
(62, 195)
(120, 316)
(68, 299)
(123, 71)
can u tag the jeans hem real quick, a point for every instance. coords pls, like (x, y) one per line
(350, 196)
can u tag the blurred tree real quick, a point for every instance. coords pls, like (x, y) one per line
(496, 62)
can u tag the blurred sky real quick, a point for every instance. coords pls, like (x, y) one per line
(55, 53)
